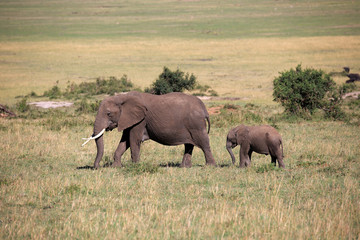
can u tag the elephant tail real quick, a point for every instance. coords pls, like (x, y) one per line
(282, 148)
(208, 121)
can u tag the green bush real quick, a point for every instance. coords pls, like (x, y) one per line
(203, 90)
(84, 107)
(302, 91)
(53, 93)
(22, 105)
(109, 86)
(169, 81)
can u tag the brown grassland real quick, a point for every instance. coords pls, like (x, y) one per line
(249, 64)
(48, 190)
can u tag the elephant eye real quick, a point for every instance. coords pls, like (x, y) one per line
(108, 113)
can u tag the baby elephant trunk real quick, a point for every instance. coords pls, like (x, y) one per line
(229, 149)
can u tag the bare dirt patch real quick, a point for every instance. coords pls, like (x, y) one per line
(51, 104)
(203, 98)
(215, 110)
(351, 95)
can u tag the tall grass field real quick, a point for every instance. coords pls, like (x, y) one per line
(48, 189)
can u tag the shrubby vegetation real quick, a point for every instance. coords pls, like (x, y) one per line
(22, 106)
(87, 107)
(83, 94)
(102, 85)
(169, 81)
(302, 92)
(177, 81)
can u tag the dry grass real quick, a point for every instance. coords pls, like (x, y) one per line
(46, 189)
(241, 68)
(316, 197)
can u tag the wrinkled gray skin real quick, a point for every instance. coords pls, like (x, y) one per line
(261, 139)
(169, 119)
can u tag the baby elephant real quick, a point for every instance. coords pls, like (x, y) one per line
(262, 139)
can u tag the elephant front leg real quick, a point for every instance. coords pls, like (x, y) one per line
(122, 147)
(135, 149)
(136, 137)
(244, 161)
(186, 162)
(245, 156)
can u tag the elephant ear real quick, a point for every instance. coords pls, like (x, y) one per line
(132, 112)
(232, 135)
(242, 134)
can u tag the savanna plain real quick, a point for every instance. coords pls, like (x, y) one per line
(48, 190)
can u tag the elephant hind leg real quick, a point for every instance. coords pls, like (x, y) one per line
(273, 160)
(201, 140)
(277, 155)
(208, 156)
(280, 161)
(186, 162)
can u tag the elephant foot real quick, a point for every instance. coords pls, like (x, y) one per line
(116, 164)
(281, 164)
(212, 164)
(243, 165)
(185, 165)
(96, 166)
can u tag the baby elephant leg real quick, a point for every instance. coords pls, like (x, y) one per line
(280, 161)
(276, 154)
(273, 160)
(245, 156)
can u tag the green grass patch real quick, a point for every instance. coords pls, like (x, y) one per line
(192, 19)
(140, 168)
(266, 168)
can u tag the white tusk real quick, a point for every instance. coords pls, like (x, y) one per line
(91, 138)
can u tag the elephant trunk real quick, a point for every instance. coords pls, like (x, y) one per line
(99, 126)
(229, 149)
(100, 150)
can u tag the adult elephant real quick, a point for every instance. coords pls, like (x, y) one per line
(170, 119)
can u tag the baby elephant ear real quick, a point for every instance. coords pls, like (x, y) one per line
(242, 134)
(132, 112)
(232, 135)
